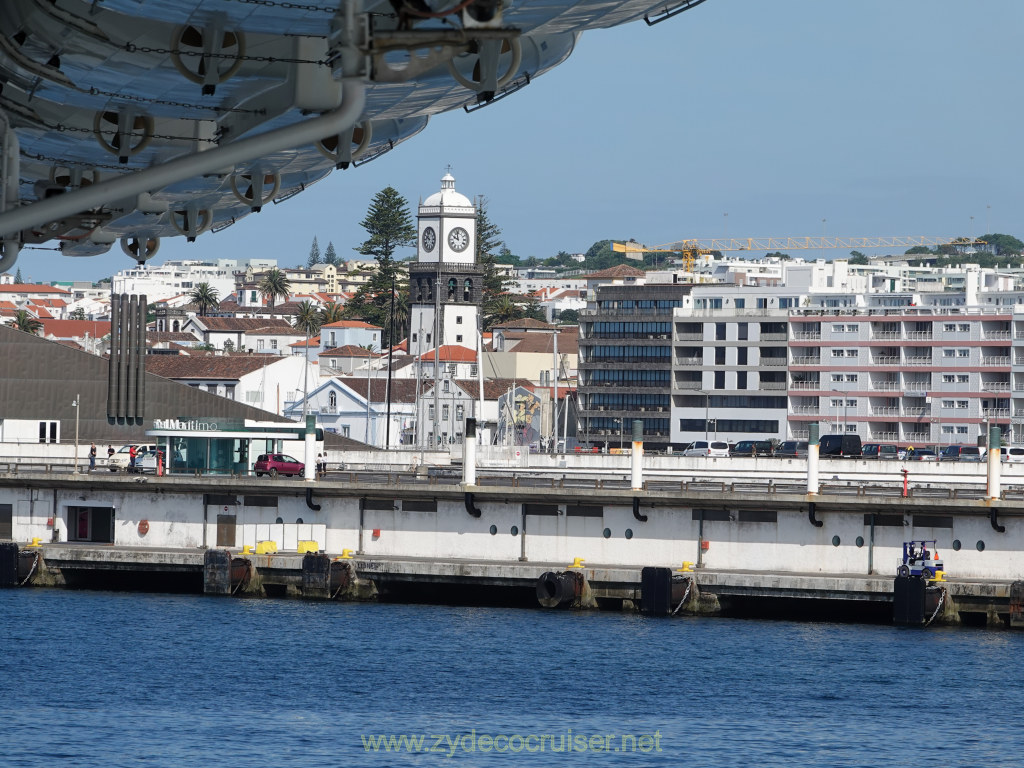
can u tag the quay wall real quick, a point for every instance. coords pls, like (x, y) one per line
(727, 530)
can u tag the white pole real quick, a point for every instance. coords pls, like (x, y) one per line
(637, 459)
(812, 460)
(78, 408)
(469, 454)
(994, 458)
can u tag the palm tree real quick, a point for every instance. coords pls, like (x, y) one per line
(332, 313)
(26, 322)
(273, 285)
(308, 318)
(205, 296)
(502, 310)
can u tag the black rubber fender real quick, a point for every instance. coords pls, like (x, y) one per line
(994, 520)
(474, 511)
(309, 500)
(811, 509)
(636, 510)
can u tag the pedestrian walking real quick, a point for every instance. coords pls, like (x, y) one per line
(132, 452)
(92, 457)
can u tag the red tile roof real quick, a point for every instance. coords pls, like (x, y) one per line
(228, 367)
(450, 353)
(352, 324)
(75, 329)
(31, 288)
(619, 270)
(349, 350)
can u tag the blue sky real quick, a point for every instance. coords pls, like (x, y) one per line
(883, 118)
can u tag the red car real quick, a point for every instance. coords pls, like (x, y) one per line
(275, 464)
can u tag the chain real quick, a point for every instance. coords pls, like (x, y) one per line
(143, 100)
(132, 48)
(290, 6)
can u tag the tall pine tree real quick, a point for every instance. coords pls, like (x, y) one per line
(330, 255)
(390, 226)
(314, 254)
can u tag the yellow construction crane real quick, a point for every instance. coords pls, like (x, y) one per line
(689, 250)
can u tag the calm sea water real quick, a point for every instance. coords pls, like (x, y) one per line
(109, 679)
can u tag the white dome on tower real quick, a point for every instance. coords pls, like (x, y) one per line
(447, 198)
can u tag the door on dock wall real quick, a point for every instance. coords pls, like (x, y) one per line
(226, 530)
(6, 521)
(91, 524)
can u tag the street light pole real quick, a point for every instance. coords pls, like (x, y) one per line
(707, 413)
(622, 426)
(78, 399)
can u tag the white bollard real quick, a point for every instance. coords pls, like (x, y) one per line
(310, 453)
(812, 460)
(469, 454)
(637, 458)
(994, 459)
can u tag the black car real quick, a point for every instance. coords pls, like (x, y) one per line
(792, 449)
(752, 448)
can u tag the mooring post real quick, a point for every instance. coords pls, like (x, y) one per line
(994, 457)
(469, 453)
(310, 470)
(637, 458)
(812, 459)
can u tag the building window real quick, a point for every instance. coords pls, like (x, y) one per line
(472, 369)
(963, 378)
(458, 339)
(459, 412)
(229, 391)
(949, 327)
(48, 431)
(719, 355)
(947, 403)
(948, 378)
(948, 352)
(445, 387)
(414, 337)
(719, 379)
(961, 404)
(740, 303)
(963, 353)
(947, 430)
(430, 412)
(720, 331)
(344, 430)
(273, 343)
(741, 356)
(332, 399)
(458, 319)
(259, 343)
(467, 289)
(741, 379)
(451, 289)
(444, 413)
(741, 331)
(838, 353)
(965, 328)
(961, 430)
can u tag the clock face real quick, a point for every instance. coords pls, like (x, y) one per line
(458, 239)
(429, 239)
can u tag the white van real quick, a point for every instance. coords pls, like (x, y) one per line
(119, 461)
(714, 449)
(1013, 454)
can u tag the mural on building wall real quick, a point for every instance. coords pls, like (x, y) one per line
(519, 412)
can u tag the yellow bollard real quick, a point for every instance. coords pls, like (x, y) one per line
(939, 576)
(346, 554)
(36, 542)
(247, 549)
(577, 562)
(687, 567)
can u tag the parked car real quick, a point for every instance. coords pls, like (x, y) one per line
(922, 454)
(275, 464)
(793, 449)
(1013, 454)
(753, 448)
(119, 462)
(713, 448)
(880, 451)
(839, 446)
(962, 453)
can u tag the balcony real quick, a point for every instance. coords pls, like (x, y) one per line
(920, 335)
(805, 385)
(806, 361)
(995, 361)
(885, 360)
(917, 410)
(917, 386)
(773, 361)
(884, 386)
(772, 385)
(689, 361)
(885, 410)
(996, 335)
(805, 336)
(995, 413)
(885, 436)
(812, 410)
(887, 335)
(773, 337)
(995, 386)
(689, 336)
(918, 360)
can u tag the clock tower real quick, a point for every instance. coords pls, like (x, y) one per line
(445, 282)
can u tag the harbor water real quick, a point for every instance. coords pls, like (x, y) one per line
(111, 679)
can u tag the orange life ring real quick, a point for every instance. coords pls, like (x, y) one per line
(143, 527)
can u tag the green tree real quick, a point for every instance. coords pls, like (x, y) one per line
(1005, 245)
(777, 255)
(17, 276)
(314, 254)
(389, 225)
(332, 313)
(204, 296)
(331, 256)
(568, 317)
(918, 249)
(274, 285)
(308, 318)
(856, 257)
(26, 322)
(77, 314)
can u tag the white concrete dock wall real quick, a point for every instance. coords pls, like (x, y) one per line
(968, 545)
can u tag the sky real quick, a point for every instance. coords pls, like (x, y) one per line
(739, 118)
